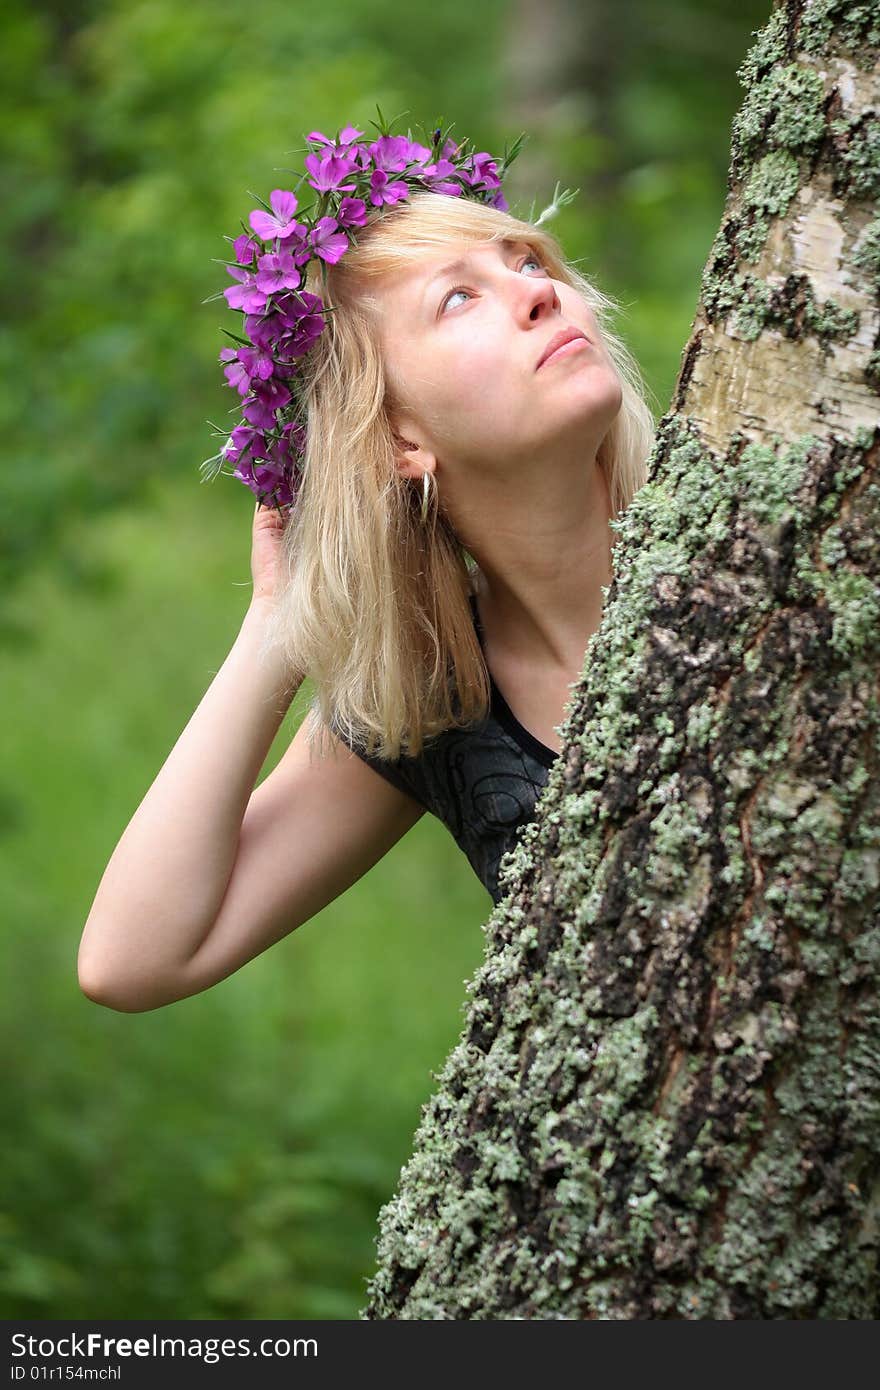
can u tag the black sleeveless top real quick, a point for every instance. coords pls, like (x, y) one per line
(481, 782)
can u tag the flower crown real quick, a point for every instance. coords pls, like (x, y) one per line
(282, 320)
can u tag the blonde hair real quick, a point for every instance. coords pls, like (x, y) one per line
(373, 603)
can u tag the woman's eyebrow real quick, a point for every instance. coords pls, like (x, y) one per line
(452, 267)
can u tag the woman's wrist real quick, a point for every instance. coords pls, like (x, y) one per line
(260, 608)
(269, 657)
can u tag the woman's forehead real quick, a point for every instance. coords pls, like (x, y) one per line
(455, 254)
(431, 263)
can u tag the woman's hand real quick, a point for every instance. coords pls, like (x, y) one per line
(267, 533)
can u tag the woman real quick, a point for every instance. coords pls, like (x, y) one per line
(432, 385)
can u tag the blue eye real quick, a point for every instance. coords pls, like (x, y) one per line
(461, 290)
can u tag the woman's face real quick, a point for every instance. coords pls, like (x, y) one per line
(463, 345)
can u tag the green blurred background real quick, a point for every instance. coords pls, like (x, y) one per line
(227, 1156)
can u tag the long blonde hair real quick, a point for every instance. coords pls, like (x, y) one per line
(373, 602)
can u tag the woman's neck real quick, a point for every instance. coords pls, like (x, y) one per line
(539, 585)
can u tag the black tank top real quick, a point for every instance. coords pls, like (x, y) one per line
(481, 782)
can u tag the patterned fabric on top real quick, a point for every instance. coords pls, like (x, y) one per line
(482, 782)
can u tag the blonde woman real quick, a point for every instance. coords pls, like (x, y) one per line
(475, 424)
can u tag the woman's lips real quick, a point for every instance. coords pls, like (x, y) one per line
(571, 346)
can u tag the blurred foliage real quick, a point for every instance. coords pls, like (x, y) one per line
(227, 1156)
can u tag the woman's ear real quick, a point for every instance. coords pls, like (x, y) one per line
(413, 459)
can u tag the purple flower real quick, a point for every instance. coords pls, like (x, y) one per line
(264, 330)
(246, 365)
(328, 243)
(381, 191)
(485, 172)
(268, 397)
(288, 332)
(245, 295)
(283, 206)
(267, 482)
(352, 212)
(280, 452)
(346, 137)
(279, 461)
(296, 309)
(277, 272)
(272, 479)
(235, 373)
(297, 343)
(391, 153)
(258, 365)
(438, 176)
(245, 248)
(481, 173)
(296, 242)
(328, 172)
(242, 444)
(292, 307)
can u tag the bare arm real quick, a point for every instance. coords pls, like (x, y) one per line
(166, 879)
(209, 871)
(310, 830)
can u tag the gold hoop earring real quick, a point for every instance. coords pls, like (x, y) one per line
(426, 486)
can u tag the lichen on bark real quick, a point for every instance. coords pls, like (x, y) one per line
(665, 1100)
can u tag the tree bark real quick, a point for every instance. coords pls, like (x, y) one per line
(665, 1102)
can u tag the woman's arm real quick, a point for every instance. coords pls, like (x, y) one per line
(167, 877)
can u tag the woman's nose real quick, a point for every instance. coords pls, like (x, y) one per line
(541, 297)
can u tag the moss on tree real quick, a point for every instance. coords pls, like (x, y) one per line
(665, 1100)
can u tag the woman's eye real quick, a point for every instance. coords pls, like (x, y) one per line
(535, 260)
(451, 295)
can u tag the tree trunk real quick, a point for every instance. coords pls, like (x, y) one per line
(666, 1098)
